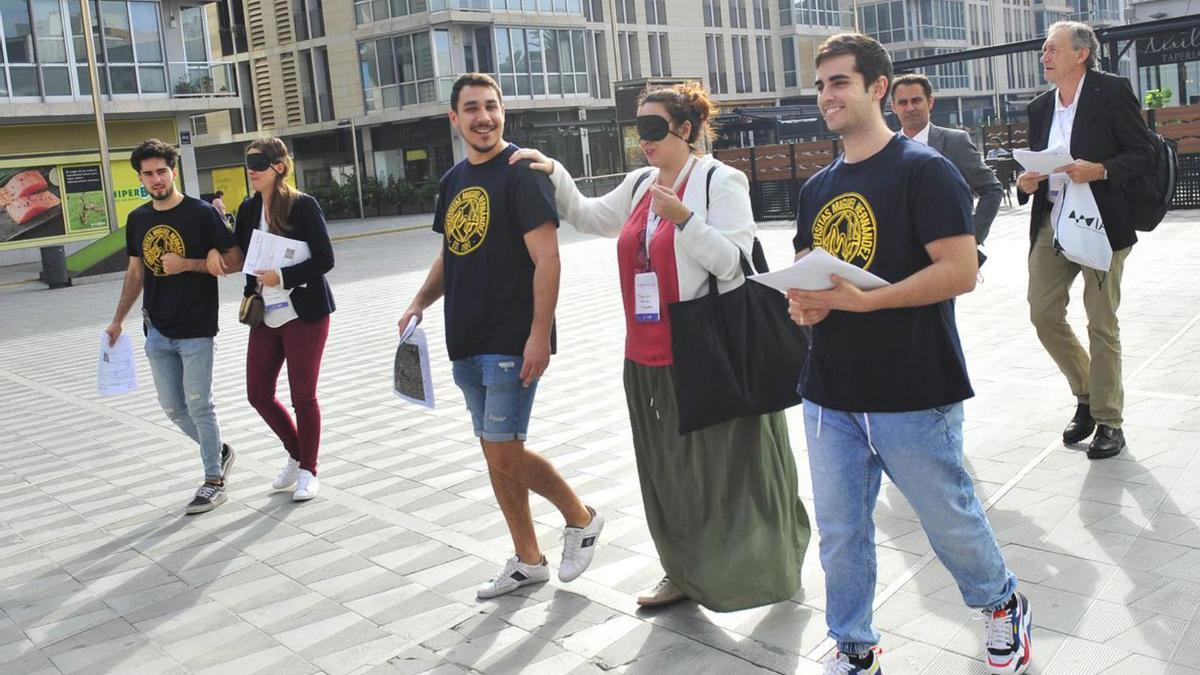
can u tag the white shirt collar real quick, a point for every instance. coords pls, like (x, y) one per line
(1058, 104)
(923, 135)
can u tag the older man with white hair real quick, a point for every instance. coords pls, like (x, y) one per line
(1096, 117)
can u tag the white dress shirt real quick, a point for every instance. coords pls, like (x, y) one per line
(923, 135)
(1060, 134)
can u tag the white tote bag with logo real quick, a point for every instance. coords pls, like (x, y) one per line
(1078, 228)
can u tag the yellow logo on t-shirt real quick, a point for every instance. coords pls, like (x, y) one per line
(467, 220)
(846, 227)
(160, 240)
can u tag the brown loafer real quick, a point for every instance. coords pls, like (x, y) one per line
(665, 593)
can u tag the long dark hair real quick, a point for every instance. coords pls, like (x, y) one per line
(282, 194)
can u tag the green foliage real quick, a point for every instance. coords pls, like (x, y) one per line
(1158, 98)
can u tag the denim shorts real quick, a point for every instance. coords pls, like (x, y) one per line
(499, 404)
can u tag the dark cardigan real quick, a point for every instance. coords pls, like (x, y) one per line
(310, 292)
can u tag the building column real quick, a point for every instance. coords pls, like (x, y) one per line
(187, 156)
(457, 145)
(368, 150)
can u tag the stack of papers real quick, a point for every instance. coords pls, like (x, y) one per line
(812, 272)
(410, 373)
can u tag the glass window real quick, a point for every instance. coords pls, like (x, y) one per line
(18, 38)
(3, 83)
(441, 39)
(553, 64)
(370, 69)
(387, 62)
(117, 39)
(536, 67)
(195, 46)
(24, 81)
(48, 27)
(153, 79)
(146, 32)
(124, 79)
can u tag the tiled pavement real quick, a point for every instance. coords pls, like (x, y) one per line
(101, 572)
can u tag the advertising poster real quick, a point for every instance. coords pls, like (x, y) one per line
(85, 198)
(30, 203)
(231, 180)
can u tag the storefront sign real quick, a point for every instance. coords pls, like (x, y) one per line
(1176, 47)
(231, 180)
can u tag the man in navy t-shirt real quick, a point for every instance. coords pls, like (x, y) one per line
(885, 379)
(177, 246)
(499, 272)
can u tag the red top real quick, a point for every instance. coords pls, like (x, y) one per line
(648, 342)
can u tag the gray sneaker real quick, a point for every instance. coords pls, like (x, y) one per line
(208, 497)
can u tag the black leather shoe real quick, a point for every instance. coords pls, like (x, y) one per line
(1108, 442)
(1082, 425)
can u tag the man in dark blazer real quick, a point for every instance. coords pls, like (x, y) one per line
(912, 101)
(1095, 116)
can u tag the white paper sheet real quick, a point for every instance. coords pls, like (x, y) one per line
(1043, 161)
(272, 252)
(812, 272)
(411, 379)
(116, 372)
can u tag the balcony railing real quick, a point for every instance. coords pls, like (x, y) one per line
(201, 79)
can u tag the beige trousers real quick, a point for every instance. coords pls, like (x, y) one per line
(1094, 374)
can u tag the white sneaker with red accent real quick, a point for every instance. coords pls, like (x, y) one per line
(1007, 637)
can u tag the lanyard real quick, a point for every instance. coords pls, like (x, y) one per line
(652, 218)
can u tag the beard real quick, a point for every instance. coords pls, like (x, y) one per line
(164, 195)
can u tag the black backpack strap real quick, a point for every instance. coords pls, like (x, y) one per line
(637, 182)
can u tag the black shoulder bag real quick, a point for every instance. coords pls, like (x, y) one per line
(736, 353)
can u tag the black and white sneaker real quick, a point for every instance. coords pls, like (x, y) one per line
(227, 458)
(208, 497)
(514, 575)
(1006, 639)
(579, 545)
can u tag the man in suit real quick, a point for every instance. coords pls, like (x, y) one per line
(912, 101)
(1096, 117)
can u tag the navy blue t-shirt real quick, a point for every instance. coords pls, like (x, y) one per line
(180, 305)
(484, 212)
(879, 214)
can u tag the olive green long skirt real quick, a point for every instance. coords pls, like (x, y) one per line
(722, 503)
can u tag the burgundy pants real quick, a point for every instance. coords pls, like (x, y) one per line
(301, 344)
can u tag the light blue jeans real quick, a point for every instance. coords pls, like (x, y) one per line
(921, 452)
(182, 372)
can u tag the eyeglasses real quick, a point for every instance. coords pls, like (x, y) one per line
(257, 162)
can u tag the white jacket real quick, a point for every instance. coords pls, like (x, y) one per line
(713, 240)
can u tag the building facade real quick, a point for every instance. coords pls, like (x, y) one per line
(156, 71)
(335, 76)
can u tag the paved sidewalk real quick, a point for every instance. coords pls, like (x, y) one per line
(101, 572)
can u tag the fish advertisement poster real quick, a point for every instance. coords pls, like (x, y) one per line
(31, 203)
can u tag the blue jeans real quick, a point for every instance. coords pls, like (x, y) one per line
(500, 405)
(182, 372)
(921, 452)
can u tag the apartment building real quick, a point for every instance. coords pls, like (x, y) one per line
(156, 72)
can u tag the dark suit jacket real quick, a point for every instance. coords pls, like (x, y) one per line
(310, 292)
(1108, 129)
(956, 146)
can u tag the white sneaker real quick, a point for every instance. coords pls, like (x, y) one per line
(514, 575)
(288, 475)
(307, 486)
(579, 545)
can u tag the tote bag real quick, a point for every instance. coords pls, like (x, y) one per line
(736, 353)
(1079, 230)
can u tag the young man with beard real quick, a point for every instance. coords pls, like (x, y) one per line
(178, 246)
(885, 381)
(499, 271)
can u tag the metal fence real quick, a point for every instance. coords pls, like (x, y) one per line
(777, 172)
